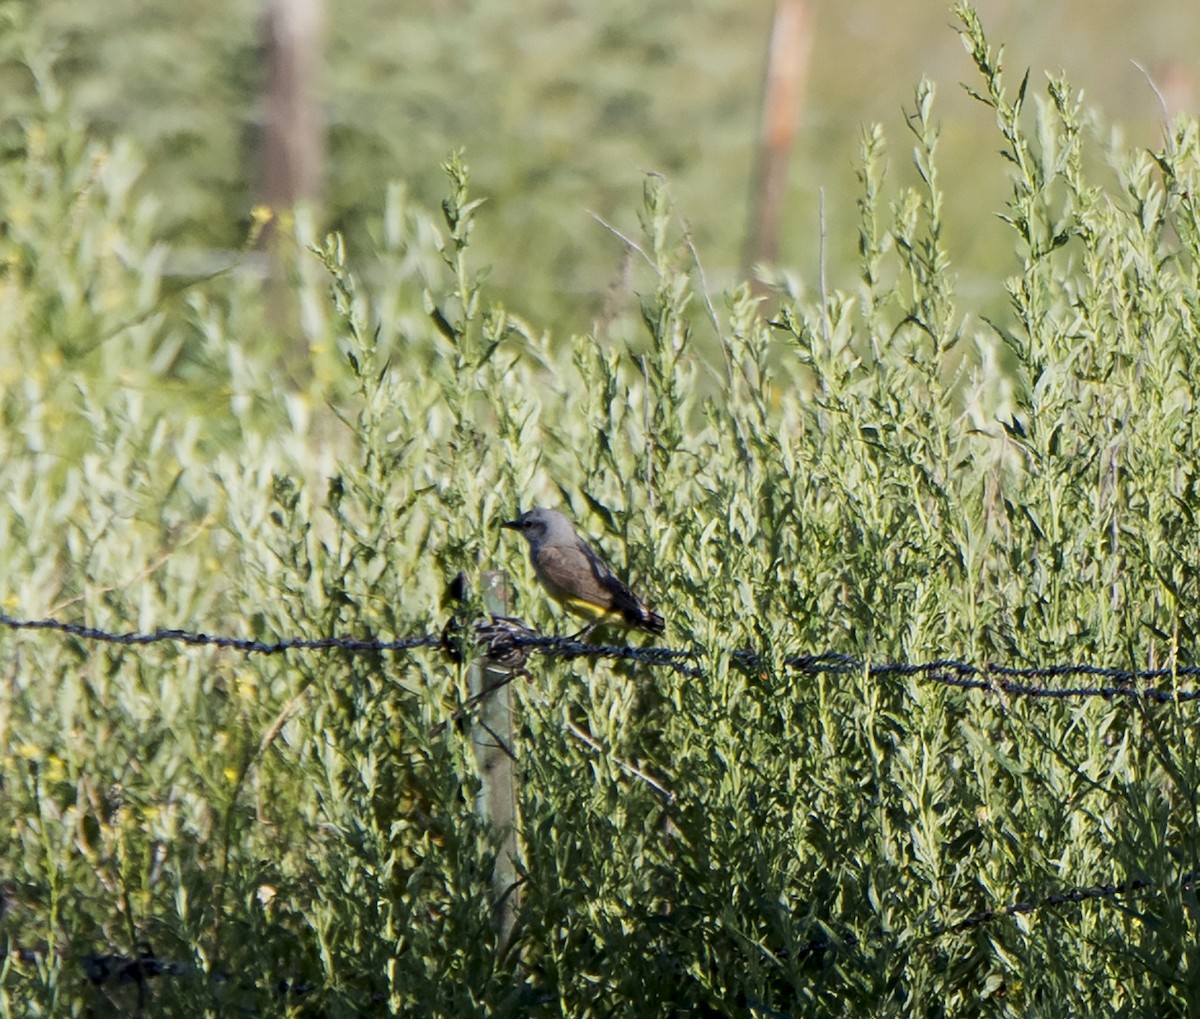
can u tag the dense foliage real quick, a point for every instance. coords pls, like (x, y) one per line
(876, 470)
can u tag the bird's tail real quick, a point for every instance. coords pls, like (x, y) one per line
(647, 619)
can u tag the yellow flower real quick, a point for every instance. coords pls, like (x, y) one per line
(245, 683)
(56, 768)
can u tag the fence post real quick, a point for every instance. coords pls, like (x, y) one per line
(294, 125)
(497, 802)
(783, 99)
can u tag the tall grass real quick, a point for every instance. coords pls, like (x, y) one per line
(877, 471)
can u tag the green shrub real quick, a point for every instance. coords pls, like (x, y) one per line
(873, 472)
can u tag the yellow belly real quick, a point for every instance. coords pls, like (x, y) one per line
(585, 609)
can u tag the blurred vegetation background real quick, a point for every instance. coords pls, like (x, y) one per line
(561, 107)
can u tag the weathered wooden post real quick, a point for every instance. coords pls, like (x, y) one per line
(294, 127)
(783, 99)
(497, 803)
(293, 136)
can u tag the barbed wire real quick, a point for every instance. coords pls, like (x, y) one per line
(1025, 681)
(1128, 683)
(247, 645)
(1071, 896)
(117, 968)
(103, 968)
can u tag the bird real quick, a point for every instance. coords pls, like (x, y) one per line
(573, 573)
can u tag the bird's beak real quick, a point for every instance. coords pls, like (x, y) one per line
(510, 524)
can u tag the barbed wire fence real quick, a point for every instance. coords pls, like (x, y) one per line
(513, 645)
(1016, 680)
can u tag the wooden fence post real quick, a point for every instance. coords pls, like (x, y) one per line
(294, 125)
(783, 99)
(497, 802)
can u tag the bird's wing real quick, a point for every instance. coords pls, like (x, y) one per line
(577, 576)
(621, 598)
(635, 611)
(571, 575)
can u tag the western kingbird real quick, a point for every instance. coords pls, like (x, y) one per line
(576, 577)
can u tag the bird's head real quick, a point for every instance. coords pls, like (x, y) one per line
(542, 525)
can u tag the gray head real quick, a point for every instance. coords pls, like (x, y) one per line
(543, 527)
